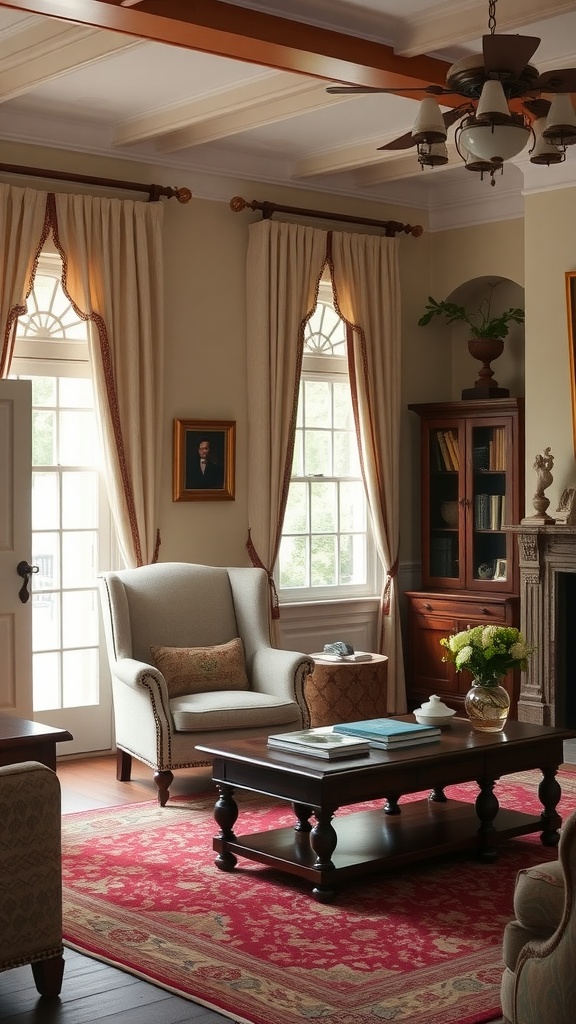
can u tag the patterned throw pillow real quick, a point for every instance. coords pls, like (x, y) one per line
(201, 669)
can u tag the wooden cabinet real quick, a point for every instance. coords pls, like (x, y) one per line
(472, 488)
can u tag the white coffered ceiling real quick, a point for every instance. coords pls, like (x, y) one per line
(229, 89)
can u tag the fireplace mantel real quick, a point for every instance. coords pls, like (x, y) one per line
(546, 554)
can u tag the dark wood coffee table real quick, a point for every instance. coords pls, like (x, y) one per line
(21, 740)
(366, 841)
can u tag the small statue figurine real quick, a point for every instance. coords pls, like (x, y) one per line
(543, 464)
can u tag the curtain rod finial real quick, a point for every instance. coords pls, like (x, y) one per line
(183, 195)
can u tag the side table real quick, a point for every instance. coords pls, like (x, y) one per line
(21, 740)
(347, 691)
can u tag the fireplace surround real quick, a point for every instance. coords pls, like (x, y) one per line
(547, 561)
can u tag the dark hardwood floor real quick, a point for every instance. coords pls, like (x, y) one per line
(93, 991)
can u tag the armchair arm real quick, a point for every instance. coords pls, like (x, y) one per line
(545, 982)
(283, 673)
(142, 714)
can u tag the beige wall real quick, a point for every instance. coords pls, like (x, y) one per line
(205, 375)
(205, 247)
(550, 252)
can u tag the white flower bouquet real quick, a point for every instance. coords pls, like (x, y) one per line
(488, 652)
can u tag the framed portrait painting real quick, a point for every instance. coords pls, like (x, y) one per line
(204, 460)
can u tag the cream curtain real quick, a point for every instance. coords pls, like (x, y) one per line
(112, 253)
(23, 231)
(285, 263)
(367, 291)
(284, 267)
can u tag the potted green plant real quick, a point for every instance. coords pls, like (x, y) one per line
(487, 342)
(481, 324)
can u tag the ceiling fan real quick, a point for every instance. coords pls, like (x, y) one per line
(489, 133)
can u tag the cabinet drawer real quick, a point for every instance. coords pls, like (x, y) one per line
(485, 611)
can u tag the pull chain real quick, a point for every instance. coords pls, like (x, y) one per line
(492, 16)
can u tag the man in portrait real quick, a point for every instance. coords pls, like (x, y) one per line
(202, 471)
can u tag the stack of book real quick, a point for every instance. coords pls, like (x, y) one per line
(389, 733)
(321, 742)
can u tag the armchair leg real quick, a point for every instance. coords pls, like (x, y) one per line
(48, 976)
(163, 780)
(123, 765)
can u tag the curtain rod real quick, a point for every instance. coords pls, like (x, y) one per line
(392, 227)
(155, 192)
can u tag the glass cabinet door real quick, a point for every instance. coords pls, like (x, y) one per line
(488, 510)
(445, 505)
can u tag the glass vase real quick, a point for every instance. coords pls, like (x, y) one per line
(487, 706)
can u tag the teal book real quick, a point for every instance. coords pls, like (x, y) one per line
(387, 729)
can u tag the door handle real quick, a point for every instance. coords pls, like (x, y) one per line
(25, 571)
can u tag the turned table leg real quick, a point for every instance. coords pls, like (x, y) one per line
(323, 841)
(487, 808)
(225, 815)
(549, 793)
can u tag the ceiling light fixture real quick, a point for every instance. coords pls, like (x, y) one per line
(488, 132)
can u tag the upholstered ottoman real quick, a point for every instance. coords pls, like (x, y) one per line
(539, 948)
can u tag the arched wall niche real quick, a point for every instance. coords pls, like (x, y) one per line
(509, 368)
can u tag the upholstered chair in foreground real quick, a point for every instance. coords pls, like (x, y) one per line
(31, 874)
(191, 661)
(539, 981)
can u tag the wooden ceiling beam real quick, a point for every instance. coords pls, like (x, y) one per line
(239, 33)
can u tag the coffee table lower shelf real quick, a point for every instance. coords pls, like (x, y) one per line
(371, 841)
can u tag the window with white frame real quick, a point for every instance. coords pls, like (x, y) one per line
(70, 515)
(327, 551)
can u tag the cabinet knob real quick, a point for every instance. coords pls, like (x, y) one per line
(428, 607)
(486, 611)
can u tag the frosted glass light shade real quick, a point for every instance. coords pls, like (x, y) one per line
(429, 125)
(496, 142)
(560, 127)
(492, 103)
(544, 152)
(434, 155)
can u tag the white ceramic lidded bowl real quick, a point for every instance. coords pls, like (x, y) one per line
(434, 712)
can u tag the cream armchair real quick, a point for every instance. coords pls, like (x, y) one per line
(539, 980)
(31, 873)
(161, 615)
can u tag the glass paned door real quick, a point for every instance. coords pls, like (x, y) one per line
(444, 533)
(489, 561)
(70, 519)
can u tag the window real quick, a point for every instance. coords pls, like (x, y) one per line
(326, 549)
(68, 504)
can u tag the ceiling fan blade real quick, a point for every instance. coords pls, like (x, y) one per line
(433, 90)
(562, 80)
(507, 53)
(404, 142)
(538, 108)
(451, 116)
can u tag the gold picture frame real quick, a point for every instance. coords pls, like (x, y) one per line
(571, 313)
(204, 460)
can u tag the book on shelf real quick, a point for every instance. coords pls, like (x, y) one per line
(446, 459)
(321, 742)
(389, 730)
(452, 445)
(441, 556)
(357, 656)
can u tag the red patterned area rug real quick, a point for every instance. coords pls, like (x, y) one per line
(419, 945)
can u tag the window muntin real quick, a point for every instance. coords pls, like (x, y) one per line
(326, 551)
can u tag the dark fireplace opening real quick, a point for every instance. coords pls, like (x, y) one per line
(566, 651)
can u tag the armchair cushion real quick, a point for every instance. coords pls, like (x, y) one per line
(202, 669)
(224, 709)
